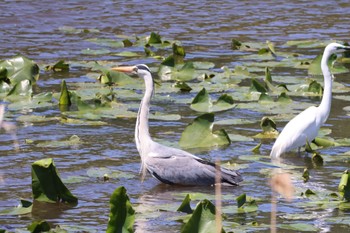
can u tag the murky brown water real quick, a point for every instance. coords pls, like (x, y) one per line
(205, 28)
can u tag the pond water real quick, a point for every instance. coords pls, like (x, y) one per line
(48, 31)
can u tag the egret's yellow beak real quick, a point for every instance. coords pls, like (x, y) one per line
(124, 69)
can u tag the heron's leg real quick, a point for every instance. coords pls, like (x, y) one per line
(299, 148)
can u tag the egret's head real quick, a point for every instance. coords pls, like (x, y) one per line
(140, 69)
(336, 48)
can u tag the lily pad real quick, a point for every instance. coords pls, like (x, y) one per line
(182, 72)
(121, 215)
(47, 185)
(74, 140)
(25, 207)
(20, 68)
(203, 103)
(58, 66)
(199, 133)
(315, 66)
(185, 205)
(202, 219)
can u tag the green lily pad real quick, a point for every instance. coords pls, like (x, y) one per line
(107, 42)
(299, 227)
(65, 96)
(269, 129)
(58, 66)
(199, 133)
(89, 51)
(181, 72)
(315, 66)
(40, 100)
(154, 38)
(39, 226)
(203, 103)
(47, 185)
(183, 86)
(25, 207)
(185, 205)
(20, 68)
(256, 86)
(344, 185)
(121, 215)
(74, 140)
(127, 54)
(202, 219)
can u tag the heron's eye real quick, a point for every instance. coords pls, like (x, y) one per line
(135, 69)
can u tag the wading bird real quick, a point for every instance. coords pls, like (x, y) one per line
(170, 165)
(304, 127)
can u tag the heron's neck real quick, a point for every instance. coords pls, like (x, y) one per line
(142, 136)
(325, 105)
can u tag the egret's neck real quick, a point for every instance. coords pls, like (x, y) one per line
(142, 136)
(325, 105)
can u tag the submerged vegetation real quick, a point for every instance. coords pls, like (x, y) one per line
(204, 88)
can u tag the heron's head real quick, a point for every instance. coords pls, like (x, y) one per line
(336, 48)
(141, 70)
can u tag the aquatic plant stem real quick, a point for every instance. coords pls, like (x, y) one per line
(218, 212)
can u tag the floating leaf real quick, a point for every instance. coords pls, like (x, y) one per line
(179, 53)
(299, 227)
(185, 205)
(169, 71)
(47, 185)
(315, 87)
(20, 68)
(317, 159)
(315, 66)
(39, 226)
(20, 89)
(25, 207)
(284, 98)
(344, 186)
(256, 149)
(257, 86)
(74, 140)
(121, 215)
(203, 103)
(115, 77)
(59, 66)
(202, 219)
(154, 38)
(89, 51)
(268, 127)
(199, 133)
(241, 200)
(65, 96)
(306, 175)
(271, 46)
(183, 86)
(127, 54)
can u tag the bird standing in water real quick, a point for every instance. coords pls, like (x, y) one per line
(170, 165)
(304, 127)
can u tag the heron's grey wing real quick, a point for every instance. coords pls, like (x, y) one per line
(175, 166)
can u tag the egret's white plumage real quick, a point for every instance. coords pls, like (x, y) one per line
(167, 164)
(305, 126)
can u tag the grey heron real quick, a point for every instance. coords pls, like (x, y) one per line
(170, 165)
(305, 126)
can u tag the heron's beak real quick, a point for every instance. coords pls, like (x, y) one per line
(124, 69)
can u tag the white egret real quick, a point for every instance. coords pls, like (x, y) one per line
(304, 127)
(170, 165)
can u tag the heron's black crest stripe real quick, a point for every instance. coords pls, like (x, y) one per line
(143, 67)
